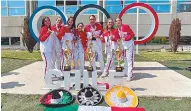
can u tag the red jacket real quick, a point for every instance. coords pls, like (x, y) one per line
(98, 30)
(60, 32)
(114, 32)
(129, 33)
(83, 38)
(43, 33)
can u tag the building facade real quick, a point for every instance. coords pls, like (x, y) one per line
(13, 13)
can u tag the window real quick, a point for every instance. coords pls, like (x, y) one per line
(89, 11)
(85, 2)
(13, 8)
(51, 3)
(113, 7)
(183, 6)
(3, 11)
(71, 9)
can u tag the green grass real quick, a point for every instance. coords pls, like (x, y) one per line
(8, 64)
(19, 54)
(178, 66)
(165, 56)
(31, 103)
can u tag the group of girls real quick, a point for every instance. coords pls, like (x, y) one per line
(52, 43)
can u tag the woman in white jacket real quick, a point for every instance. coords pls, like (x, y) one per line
(47, 48)
(110, 37)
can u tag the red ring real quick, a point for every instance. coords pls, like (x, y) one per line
(145, 39)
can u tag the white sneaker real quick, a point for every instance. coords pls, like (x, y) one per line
(104, 74)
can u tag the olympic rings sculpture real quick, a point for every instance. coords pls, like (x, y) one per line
(154, 18)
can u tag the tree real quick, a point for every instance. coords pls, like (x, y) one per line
(28, 41)
(174, 34)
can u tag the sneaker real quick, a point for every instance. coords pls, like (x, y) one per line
(130, 78)
(105, 74)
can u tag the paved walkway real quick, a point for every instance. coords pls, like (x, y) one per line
(151, 79)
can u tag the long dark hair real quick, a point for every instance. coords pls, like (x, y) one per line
(107, 22)
(43, 22)
(71, 17)
(79, 24)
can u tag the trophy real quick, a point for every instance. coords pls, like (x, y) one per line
(90, 55)
(67, 53)
(118, 53)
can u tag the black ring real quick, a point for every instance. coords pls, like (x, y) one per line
(90, 6)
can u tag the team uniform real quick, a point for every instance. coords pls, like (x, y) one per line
(128, 47)
(69, 35)
(48, 48)
(110, 46)
(80, 47)
(58, 52)
(97, 43)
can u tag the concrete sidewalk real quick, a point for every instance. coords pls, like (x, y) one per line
(151, 79)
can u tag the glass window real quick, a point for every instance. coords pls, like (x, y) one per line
(49, 12)
(155, 1)
(130, 1)
(113, 9)
(42, 3)
(163, 8)
(71, 9)
(112, 2)
(16, 11)
(184, 8)
(3, 3)
(61, 8)
(3, 11)
(16, 3)
(85, 2)
(91, 11)
(159, 8)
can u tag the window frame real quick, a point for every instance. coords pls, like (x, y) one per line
(8, 12)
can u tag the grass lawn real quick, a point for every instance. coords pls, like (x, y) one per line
(8, 64)
(31, 103)
(19, 54)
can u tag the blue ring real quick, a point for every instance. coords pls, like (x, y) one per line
(36, 11)
(90, 6)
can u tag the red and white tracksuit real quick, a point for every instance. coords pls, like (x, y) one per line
(69, 35)
(49, 44)
(128, 47)
(97, 44)
(110, 46)
(58, 53)
(80, 47)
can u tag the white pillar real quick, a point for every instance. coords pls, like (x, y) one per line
(137, 31)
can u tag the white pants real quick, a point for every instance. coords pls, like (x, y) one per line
(98, 49)
(129, 61)
(50, 61)
(110, 63)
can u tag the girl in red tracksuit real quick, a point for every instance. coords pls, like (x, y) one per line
(47, 45)
(58, 28)
(110, 37)
(80, 44)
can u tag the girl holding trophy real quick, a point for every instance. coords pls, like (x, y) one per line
(94, 31)
(80, 47)
(126, 34)
(110, 37)
(68, 44)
